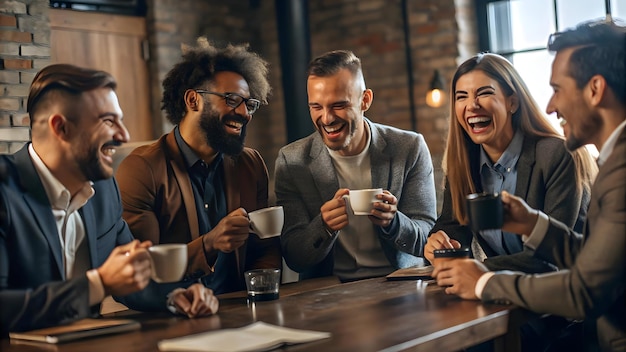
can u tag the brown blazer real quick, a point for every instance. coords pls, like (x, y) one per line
(159, 204)
(592, 284)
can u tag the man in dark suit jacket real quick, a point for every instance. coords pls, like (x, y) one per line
(196, 184)
(63, 243)
(590, 95)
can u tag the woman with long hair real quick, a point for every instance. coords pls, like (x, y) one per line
(499, 139)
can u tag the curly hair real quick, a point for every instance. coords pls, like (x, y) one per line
(200, 64)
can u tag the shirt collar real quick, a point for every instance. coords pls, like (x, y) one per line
(59, 196)
(190, 157)
(608, 146)
(511, 154)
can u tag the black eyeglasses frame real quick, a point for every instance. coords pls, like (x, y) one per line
(232, 102)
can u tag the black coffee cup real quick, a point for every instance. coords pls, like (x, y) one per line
(449, 253)
(484, 211)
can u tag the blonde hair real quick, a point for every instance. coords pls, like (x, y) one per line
(528, 118)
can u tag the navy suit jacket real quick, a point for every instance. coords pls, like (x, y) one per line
(34, 291)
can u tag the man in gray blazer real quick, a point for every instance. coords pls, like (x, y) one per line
(321, 235)
(590, 95)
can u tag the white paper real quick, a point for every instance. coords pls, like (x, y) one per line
(258, 336)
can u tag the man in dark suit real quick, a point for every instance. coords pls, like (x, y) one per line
(590, 95)
(63, 243)
(196, 184)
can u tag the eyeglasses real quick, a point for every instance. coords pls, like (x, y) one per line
(234, 100)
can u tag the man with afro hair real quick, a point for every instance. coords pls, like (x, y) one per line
(197, 183)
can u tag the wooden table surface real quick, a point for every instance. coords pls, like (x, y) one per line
(367, 315)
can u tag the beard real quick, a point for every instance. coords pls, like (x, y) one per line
(215, 133)
(90, 164)
(591, 126)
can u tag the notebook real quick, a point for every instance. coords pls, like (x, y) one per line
(77, 330)
(258, 336)
(412, 273)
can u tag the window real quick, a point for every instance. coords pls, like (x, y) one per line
(519, 30)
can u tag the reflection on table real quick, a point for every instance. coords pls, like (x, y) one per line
(367, 315)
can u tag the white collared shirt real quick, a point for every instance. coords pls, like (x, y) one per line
(609, 145)
(71, 230)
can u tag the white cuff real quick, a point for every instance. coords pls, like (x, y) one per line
(480, 284)
(96, 288)
(539, 231)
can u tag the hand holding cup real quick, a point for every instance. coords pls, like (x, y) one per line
(267, 222)
(169, 262)
(484, 211)
(362, 200)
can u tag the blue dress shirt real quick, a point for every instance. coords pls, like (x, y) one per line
(496, 177)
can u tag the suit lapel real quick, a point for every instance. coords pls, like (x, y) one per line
(182, 179)
(599, 186)
(39, 204)
(320, 169)
(89, 221)
(233, 200)
(379, 159)
(525, 166)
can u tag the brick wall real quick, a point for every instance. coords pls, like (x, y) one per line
(440, 34)
(24, 49)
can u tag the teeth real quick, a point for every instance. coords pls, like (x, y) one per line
(479, 119)
(332, 128)
(235, 124)
(109, 151)
(562, 122)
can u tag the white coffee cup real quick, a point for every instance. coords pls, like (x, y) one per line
(267, 222)
(362, 200)
(169, 262)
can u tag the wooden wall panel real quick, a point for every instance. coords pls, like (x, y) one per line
(112, 43)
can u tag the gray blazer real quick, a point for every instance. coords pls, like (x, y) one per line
(592, 285)
(546, 180)
(305, 180)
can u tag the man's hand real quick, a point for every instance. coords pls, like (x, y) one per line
(459, 276)
(334, 213)
(195, 301)
(230, 233)
(385, 210)
(439, 240)
(127, 269)
(519, 218)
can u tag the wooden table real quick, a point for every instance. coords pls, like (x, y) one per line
(368, 315)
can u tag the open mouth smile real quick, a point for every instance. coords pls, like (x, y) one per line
(479, 123)
(334, 129)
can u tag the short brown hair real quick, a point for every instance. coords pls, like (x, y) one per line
(69, 79)
(331, 62)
